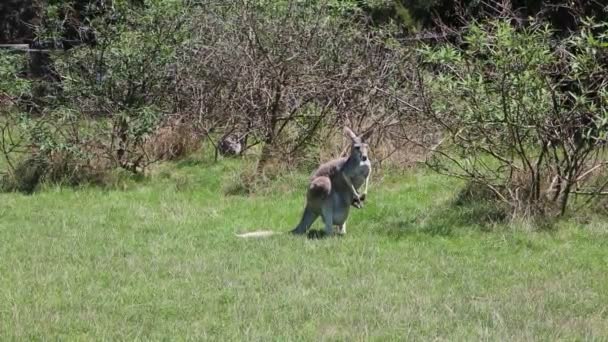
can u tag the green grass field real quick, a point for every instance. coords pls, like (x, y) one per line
(158, 259)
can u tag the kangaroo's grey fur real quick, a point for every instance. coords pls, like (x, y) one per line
(333, 189)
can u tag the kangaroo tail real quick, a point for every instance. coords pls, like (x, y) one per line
(258, 234)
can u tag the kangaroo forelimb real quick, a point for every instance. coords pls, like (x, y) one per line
(350, 185)
(358, 199)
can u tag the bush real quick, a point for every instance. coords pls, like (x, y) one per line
(522, 116)
(123, 82)
(27, 176)
(276, 72)
(172, 142)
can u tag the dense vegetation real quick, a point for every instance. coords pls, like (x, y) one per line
(517, 105)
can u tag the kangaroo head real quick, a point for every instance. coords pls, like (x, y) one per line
(358, 148)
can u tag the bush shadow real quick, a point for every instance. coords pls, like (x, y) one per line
(466, 211)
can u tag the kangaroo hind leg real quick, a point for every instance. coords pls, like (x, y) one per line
(318, 191)
(342, 229)
(308, 218)
(327, 213)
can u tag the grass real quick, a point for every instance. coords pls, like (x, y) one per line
(157, 259)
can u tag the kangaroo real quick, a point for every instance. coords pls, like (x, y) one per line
(333, 189)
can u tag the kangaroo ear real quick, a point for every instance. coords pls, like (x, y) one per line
(350, 133)
(365, 136)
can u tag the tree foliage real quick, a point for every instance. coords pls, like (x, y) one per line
(522, 116)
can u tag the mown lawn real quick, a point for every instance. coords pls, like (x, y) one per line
(158, 259)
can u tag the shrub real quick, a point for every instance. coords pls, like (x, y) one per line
(522, 115)
(123, 81)
(276, 72)
(172, 141)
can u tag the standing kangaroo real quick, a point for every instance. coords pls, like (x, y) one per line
(333, 188)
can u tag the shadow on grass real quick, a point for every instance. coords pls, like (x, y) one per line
(445, 220)
(115, 180)
(317, 234)
(191, 162)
